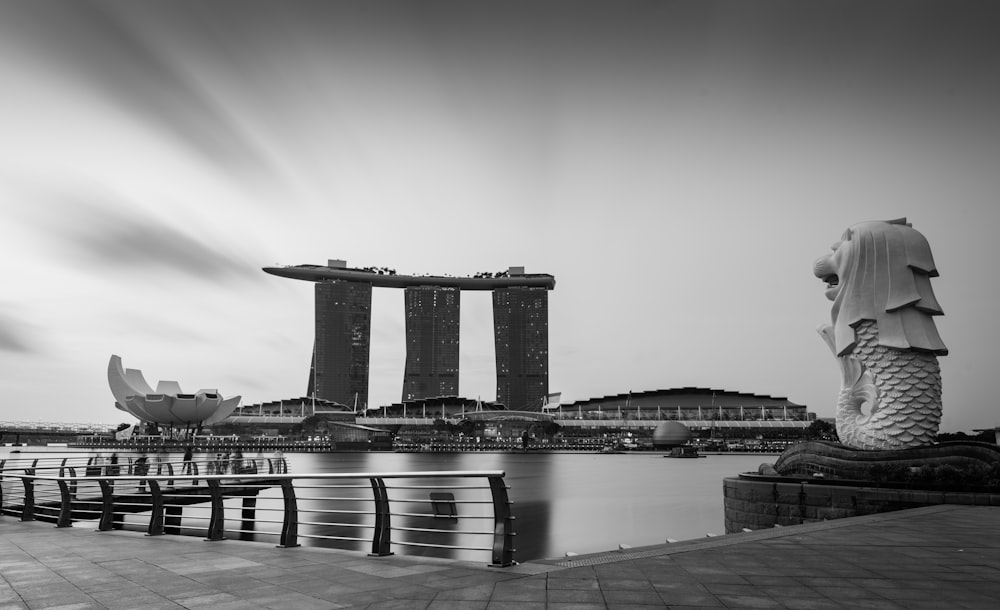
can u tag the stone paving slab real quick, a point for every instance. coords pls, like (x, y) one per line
(932, 557)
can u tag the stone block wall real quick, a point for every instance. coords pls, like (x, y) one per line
(755, 502)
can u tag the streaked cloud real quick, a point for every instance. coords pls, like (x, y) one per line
(107, 234)
(96, 46)
(13, 336)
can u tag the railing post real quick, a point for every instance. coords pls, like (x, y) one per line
(73, 485)
(107, 506)
(503, 526)
(65, 501)
(217, 520)
(381, 538)
(28, 512)
(290, 525)
(156, 514)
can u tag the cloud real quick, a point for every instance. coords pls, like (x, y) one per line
(141, 243)
(12, 337)
(109, 234)
(100, 47)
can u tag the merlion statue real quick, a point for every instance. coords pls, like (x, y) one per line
(883, 335)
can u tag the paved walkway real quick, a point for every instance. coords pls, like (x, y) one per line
(935, 557)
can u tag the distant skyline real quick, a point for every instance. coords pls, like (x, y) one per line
(677, 166)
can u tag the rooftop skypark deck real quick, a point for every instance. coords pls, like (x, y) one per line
(387, 278)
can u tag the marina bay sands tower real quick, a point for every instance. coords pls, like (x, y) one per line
(341, 352)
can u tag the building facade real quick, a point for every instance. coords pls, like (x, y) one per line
(343, 342)
(432, 341)
(521, 339)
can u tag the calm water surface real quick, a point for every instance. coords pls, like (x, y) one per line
(582, 503)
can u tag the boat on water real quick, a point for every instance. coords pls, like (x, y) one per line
(684, 451)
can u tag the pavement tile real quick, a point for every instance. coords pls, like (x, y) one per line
(361, 599)
(768, 579)
(810, 603)
(464, 581)
(566, 596)
(456, 605)
(689, 598)
(979, 605)
(749, 601)
(848, 593)
(477, 593)
(297, 601)
(199, 601)
(625, 585)
(400, 604)
(519, 595)
(791, 591)
(576, 584)
(632, 597)
(411, 592)
(719, 589)
(58, 599)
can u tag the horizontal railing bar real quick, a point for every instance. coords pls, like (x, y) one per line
(262, 521)
(442, 546)
(437, 487)
(430, 530)
(334, 511)
(427, 501)
(395, 514)
(322, 537)
(326, 523)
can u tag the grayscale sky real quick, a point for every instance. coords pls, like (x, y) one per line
(677, 166)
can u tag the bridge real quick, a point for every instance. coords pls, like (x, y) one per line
(39, 433)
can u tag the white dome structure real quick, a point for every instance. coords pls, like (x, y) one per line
(168, 404)
(670, 434)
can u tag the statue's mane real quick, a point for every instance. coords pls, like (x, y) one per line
(885, 276)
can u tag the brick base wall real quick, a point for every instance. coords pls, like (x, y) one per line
(755, 503)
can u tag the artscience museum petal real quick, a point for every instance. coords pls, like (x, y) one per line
(168, 404)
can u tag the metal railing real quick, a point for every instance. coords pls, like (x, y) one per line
(451, 512)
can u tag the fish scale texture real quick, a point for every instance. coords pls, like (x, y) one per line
(903, 388)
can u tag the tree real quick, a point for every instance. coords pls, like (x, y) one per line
(822, 430)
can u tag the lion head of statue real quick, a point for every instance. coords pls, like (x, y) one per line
(881, 271)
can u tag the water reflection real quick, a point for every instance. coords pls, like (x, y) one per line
(580, 502)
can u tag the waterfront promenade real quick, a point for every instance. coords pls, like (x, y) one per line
(932, 557)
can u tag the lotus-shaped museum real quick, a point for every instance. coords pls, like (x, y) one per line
(168, 404)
